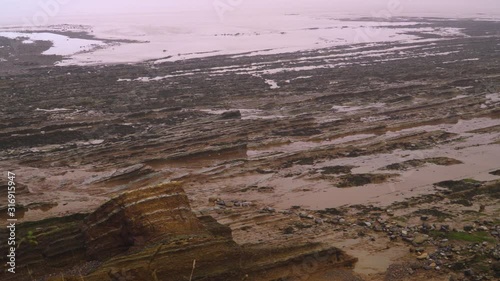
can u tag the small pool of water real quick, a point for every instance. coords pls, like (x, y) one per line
(62, 44)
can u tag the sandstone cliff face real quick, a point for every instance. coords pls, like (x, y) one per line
(139, 217)
(152, 234)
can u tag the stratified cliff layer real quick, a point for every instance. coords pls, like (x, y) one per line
(151, 234)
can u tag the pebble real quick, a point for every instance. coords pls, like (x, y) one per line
(303, 215)
(423, 256)
(468, 228)
(445, 228)
(469, 272)
(246, 204)
(269, 209)
(420, 238)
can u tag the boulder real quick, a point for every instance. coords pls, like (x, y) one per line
(231, 114)
(139, 217)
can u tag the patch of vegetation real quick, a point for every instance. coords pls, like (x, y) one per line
(400, 219)
(405, 165)
(433, 212)
(471, 181)
(460, 185)
(493, 190)
(475, 237)
(336, 170)
(300, 161)
(480, 266)
(351, 180)
(29, 238)
(473, 213)
(305, 161)
(463, 202)
(414, 163)
(443, 161)
(435, 234)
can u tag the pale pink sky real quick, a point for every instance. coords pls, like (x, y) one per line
(14, 11)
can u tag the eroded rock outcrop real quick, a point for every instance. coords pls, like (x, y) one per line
(140, 217)
(152, 234)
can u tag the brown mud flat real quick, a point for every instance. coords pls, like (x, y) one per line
(417, 133)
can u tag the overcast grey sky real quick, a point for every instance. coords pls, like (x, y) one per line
(15, 11)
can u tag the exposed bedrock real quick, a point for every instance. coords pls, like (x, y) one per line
(151, 233)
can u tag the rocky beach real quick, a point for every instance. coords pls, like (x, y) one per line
(356, 161)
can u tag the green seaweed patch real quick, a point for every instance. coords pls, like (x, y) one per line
(415, 163)
(336, 170)
(352, 180)
(405, 165)
(443, 161)
(475, 237)
(460, 185)
(491, 189)
(433, 212)
(300, 161)
(463, 202)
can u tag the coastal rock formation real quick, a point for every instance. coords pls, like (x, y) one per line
(138, 217)
(151, 234)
